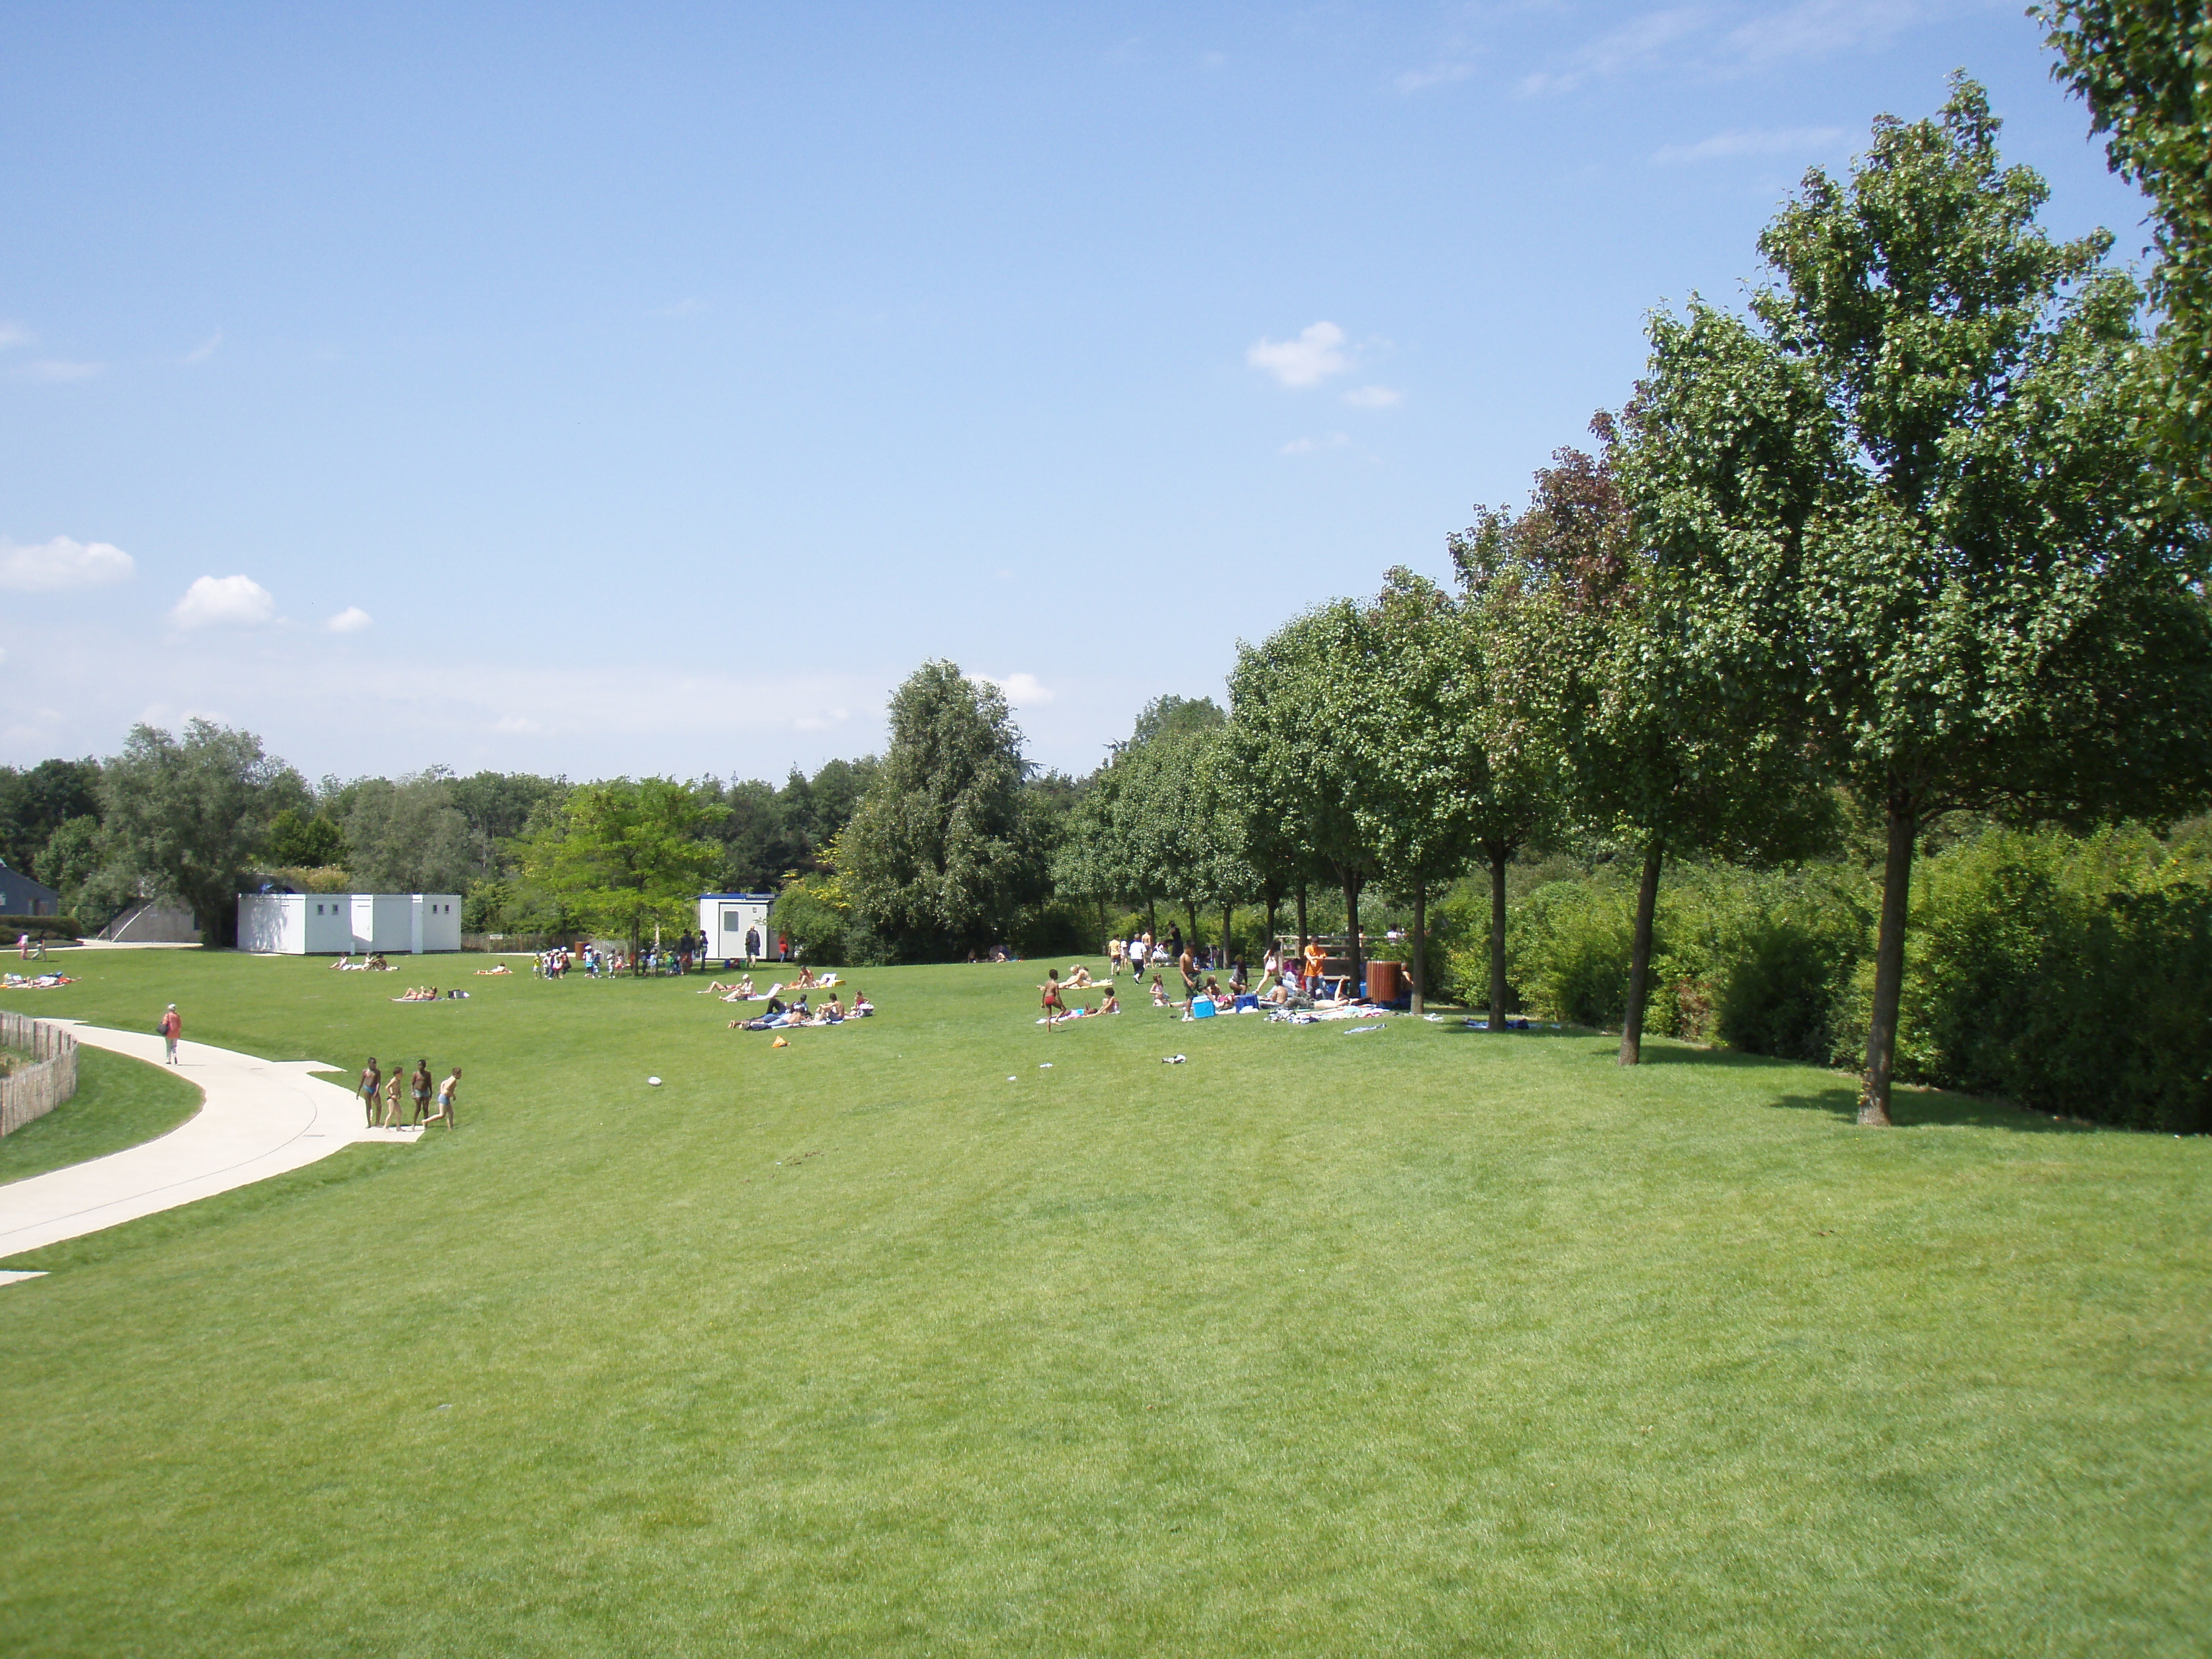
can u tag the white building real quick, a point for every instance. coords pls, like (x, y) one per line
(731, 921)
(337, 924)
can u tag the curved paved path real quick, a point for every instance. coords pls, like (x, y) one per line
(260, 1118)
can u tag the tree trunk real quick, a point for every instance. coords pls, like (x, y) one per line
(1639, 957)
(1420, 943)
(1351, 886)
(1499, 855)
(1190, 906)
(1152, 916)
(1888, 966)
(1274, 904)
(1304, 937)
(1227, 921)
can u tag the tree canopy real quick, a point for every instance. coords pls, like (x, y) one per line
(1903, 500)
(943, 847)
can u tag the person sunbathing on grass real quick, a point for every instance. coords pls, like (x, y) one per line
(1112, 1004)
(482, 973)
(741, 992)
(861, 1006)
(345, 961)
(806, 979)
(377, 965)
(1160, 992)
(1078, 978)
(833, 1011)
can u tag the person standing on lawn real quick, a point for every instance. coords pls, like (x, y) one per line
(372, 1079)
(419, 1086)
(171, 1027)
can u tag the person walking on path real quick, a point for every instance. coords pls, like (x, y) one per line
(172, 1027)
(372, 1079)
(391, 1102)
(446, 1091)
(419, 1086)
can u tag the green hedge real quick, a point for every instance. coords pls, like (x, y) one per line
(40, 928)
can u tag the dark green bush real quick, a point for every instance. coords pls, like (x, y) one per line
(40, 928)
(2073, 975)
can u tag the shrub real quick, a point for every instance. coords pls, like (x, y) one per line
(40, 927)
(2073, 974)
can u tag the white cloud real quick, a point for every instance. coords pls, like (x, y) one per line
(14, 334)
(205, 349)
(351, 620)
(1316, 354)
(224, 602)
(1308, 446)
(49, 566)
(1773, 141)
(1022, 690)
(1374, 397)
(56, 370)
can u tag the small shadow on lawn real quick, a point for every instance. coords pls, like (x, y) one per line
(1909, 1107)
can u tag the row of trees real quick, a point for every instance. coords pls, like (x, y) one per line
(1887, 540)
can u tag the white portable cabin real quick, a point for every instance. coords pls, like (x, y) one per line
(338, 923)
(725, 918)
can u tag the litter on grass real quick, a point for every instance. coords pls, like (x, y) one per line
(653, 1082)
(1359, 1030)
(1171, 1059)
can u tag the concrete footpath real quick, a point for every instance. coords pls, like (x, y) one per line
(259, 1118)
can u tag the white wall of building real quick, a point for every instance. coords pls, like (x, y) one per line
(724, 918)
(334, 924)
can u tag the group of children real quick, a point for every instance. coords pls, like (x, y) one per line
(374, 1084)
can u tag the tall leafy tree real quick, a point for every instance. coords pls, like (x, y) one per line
(1904, 498)
(623, 855)
(945, 848)
(188, 816)
(1662, 754)
(1287, 747)
(1421, 793)
(37, 801)
(2145, 68)
(408, 837)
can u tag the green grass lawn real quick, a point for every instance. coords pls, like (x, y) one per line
(1414, 1341)
(119, 1103)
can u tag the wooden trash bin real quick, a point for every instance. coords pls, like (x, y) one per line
(1386, 982)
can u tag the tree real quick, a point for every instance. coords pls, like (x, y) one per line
(408, 837)
(299, 840)
(624, 855)
(2145, 68)
(1288, 699)
(190, 818)
(36, 802)
(945, 848)
(1663, 754)
(1903, 501)
(1421, 767)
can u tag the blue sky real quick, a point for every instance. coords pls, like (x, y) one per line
(634, 389)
